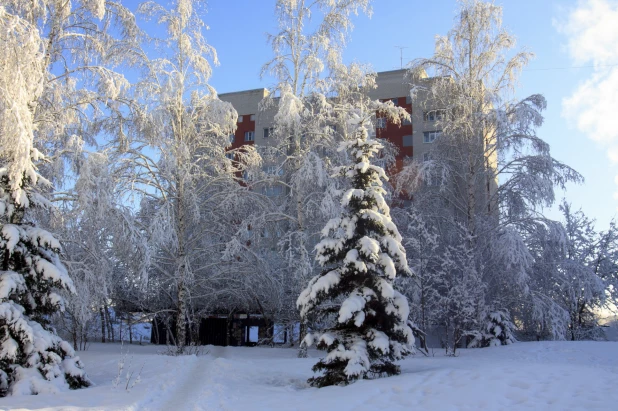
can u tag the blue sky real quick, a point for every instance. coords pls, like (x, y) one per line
(562, 34)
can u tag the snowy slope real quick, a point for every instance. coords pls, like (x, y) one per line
(544, 375)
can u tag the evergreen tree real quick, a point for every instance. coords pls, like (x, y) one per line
(33, 359)
(361, 253)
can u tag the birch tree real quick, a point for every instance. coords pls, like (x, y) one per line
(309, 43)
(488, 174)
(176, 160)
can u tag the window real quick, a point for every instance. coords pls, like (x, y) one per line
(249, 135)
(232, 137)
(229, 156)
(252, 117)
(407, 141)
(430, 136)
(407, 122)
(395, 101)
(426, 156)
(433, 115)
(240, 118)
(268, 132)
(252, 334)
(380, 122)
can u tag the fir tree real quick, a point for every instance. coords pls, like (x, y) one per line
(361, 253)
(33, 359)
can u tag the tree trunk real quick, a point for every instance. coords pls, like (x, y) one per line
(110, 326)
(74, 333)
(302, 348)
(102, 324)
(130, 332)
(181, 264)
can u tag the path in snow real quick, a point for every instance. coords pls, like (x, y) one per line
(196, 384)
(190, 375)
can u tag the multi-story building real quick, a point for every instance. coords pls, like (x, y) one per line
(412, 138)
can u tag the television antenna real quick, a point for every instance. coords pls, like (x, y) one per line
(401, 55)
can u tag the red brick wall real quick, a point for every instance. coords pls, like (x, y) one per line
(245, 125)
(394, 133)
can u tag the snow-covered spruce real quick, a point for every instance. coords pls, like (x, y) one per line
(33, 359)
(361, 253)
(498, 331)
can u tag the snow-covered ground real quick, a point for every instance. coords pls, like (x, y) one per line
(540, 376)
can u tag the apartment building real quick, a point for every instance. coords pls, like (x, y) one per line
(413, 138)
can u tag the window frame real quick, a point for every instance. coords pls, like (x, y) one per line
(434, 115)
(249, 136)
(427, 136)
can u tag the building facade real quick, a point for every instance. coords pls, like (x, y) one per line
(413, 139)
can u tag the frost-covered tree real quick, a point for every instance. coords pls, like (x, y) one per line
(424, 258)
(33, 359)
(570, 277)
(175, 162)
(102, 244)
(498, 330)
(365, 318)
(307, 47)
(488, 174)
(486, 133)
(84, 42)
(582, 290)
(83, 98)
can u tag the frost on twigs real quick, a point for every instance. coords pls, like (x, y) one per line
(361, 253)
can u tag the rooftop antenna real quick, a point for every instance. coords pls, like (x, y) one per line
(401, 55)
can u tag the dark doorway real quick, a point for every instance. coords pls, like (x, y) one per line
(213, 331)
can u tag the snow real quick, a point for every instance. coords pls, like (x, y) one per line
(522, 376)
(10, 233)
(350, 306)
(319, 284)
(352, 259)
(379, 341)
(10, 282)
(369, 247)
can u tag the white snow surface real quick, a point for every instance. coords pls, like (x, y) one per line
(522, 376)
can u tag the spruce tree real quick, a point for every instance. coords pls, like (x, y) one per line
(361, 254)
(33, 359)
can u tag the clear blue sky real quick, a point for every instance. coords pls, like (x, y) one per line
(237, 31)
